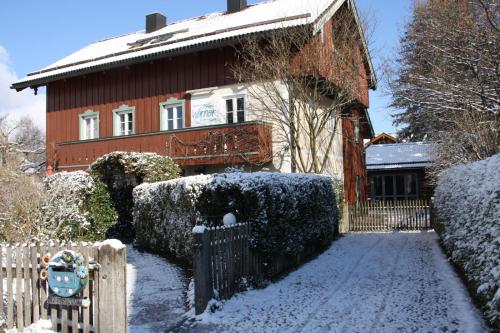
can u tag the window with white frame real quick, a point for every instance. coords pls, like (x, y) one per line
(356, 130)
(172, 115)
(235, 110)
(124, 120)
(89, 125)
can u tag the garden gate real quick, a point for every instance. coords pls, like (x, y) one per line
(387, 216)
(27, 293)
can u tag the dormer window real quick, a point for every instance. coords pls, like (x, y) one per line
(124, 120)
(89, 125)
(235, 110)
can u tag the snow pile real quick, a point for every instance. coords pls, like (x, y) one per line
(42, 326)
(467, 206)
(288, 212)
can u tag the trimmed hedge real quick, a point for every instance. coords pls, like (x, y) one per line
(121, 172)
(77, 208)
(288, 212)
(467, 207)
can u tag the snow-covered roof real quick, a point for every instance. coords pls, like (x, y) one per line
(177, 37)
(398, 156)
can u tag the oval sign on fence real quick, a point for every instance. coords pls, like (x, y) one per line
(67, 274)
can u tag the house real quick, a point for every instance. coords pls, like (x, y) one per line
(382, 138)
(397, 171)
(169, 89)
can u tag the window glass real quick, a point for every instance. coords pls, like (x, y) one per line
(238, 114)
(389, 185)
(125, 123)
(89, 127)
(229, 111)
(377, 188)
(411, 185)
(356, 131)
(174, 117)
(400, 186)
(241, 104)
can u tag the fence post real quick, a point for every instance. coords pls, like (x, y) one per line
(344, 222)
(112, 291)
(203, 289)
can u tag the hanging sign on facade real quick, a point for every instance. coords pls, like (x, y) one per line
(206, 111)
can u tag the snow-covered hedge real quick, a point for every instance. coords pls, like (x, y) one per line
(467, 206)
(288, 211)
(78, 207)
(122, 171)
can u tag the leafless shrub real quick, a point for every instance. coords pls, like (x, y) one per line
(304, 87)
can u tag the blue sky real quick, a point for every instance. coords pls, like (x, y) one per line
(34, 34)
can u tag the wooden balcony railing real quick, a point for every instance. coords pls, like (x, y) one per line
(249, 142)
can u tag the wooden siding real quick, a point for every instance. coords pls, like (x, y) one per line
(354, 158)
(143, 86)
(330, 64)
(196, 146)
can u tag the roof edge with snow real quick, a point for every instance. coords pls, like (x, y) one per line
(86, 64)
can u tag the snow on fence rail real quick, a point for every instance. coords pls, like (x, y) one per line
(25, 293)
(223, 260)
(388, 215)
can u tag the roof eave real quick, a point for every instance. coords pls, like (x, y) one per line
(18, 86)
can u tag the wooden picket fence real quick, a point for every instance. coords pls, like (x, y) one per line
(388, 215)
(25, 295)
(223, 260)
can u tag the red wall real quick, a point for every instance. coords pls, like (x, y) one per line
(354, 159)
(143, 86)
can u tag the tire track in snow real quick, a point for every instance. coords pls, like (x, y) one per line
(326, 298)
(390, 286)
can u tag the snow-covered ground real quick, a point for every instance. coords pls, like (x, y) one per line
(399, 282)
(155, 292)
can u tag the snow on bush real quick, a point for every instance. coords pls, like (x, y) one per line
(467, 204)
(287, 211)
(122, 171)
(78, 207)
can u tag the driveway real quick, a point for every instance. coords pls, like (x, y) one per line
(397, 282)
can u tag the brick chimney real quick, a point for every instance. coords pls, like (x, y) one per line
(234, 6)
(155, 22)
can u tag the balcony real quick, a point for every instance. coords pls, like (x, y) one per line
(245, 143)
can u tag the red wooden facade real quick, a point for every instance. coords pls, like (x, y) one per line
(355, 178)
(143, 86)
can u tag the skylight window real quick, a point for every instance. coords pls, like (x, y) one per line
(155, 39)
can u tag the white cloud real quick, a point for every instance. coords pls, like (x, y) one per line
(19, 104)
